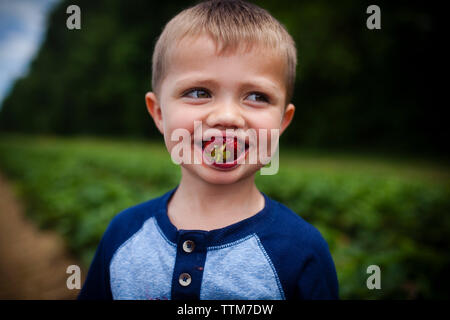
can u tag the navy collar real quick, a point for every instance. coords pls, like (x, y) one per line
(216, 237)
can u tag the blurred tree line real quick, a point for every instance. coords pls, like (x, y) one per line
(356, 88)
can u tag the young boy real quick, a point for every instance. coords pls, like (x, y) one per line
(227, 66)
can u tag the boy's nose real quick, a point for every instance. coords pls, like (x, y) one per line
(226, 115)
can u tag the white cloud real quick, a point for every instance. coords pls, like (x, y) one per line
(22, 24)
(17, 48)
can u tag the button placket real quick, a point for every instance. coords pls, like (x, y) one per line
(189, 264)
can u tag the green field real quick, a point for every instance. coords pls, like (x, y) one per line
(392, 213)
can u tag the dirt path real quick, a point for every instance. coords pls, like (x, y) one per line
(33, 263)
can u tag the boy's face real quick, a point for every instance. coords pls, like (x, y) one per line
(239, 91)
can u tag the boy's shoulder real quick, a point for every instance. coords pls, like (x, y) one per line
(289, 227)
(300, 255)
(129, 221)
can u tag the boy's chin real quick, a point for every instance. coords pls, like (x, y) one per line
(217, 176)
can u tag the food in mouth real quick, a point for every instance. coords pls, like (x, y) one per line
(223, 153)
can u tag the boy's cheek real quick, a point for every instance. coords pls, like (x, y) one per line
(168, 144)
(179, 119)
(177, 140)
(267, 143)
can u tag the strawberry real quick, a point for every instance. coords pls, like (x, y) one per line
(220, 151)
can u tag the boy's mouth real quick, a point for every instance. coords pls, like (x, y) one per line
(224, 153)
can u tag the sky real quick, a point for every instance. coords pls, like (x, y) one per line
(22, 27)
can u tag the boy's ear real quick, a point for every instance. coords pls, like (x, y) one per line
(287, 117)
(154, 109)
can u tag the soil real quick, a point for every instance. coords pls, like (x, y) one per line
(33, 262)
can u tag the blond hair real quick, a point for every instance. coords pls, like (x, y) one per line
(230, 23)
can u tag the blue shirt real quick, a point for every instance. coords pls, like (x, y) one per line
(272, 255)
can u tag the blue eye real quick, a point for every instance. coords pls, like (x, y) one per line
(258, 97)
(197, 94)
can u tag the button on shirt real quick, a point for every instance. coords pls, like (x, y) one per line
(188, 246)
(274, 254)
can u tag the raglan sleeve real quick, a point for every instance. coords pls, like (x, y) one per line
(318, 278)
(97, 284)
